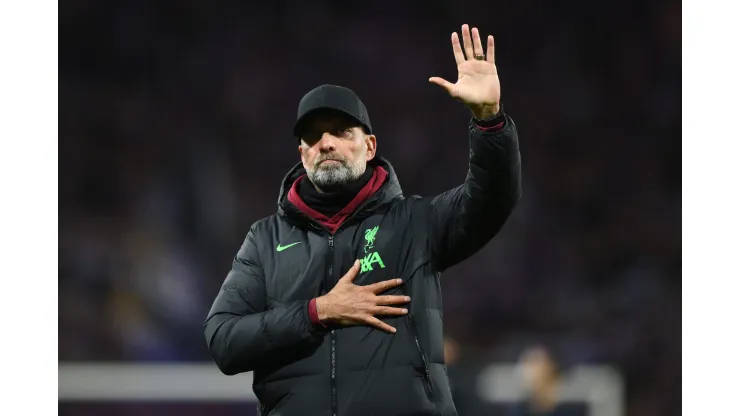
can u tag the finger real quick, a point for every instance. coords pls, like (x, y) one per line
(384, 285)
(457, 49)
(392, 300)
(447, 85)
(490, 55)
(373, 321)
(387, 310)
(349, 277)
(477, 46)
(467, 42)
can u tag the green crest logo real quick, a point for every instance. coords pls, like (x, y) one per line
(371, 258)
(370, 238)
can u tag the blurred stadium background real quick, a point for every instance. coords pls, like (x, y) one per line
(175, 131)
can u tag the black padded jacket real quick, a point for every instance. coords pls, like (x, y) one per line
(260, 322)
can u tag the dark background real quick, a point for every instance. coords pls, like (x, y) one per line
(175, 130)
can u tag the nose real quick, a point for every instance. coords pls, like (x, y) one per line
(327, 142)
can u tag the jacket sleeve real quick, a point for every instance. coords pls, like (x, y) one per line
(462, 220)
(241, 331)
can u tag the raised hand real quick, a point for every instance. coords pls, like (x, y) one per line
(348, 304)
(477, 85)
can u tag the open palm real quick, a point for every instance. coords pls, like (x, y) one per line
(477, 84)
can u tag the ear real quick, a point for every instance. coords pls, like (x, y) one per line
(371, 146)
(301, 148)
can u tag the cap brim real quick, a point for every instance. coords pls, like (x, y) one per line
(302, 122)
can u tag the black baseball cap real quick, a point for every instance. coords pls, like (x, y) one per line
(331, 97)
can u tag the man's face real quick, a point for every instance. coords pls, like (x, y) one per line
(538, 369)
(334, 151)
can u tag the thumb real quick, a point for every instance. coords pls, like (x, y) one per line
(447, 85)
(352, 273)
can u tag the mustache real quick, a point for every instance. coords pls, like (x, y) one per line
(330, 157)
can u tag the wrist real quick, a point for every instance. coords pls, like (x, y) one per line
(492, 123)
(314, 316)
(322, 309)
(486, 111)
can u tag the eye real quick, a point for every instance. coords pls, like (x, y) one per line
(311, 137)
(343, 132)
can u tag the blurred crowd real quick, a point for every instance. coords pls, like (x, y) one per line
(175, 132)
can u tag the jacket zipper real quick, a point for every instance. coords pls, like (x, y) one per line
(333, 338)
(427, 375)
(333, 335)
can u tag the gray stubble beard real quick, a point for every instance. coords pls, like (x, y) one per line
(331, 175)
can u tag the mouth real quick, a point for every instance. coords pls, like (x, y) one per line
(330, 161)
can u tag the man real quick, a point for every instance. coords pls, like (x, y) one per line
(543, 378)
(334, 302)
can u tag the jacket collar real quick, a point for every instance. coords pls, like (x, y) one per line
(390, 191)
